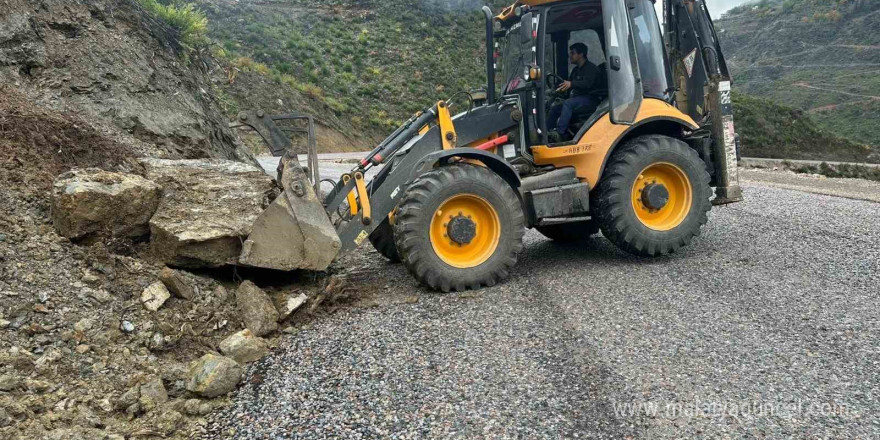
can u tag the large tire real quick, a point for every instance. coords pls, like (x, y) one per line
(468, 195)
(569, 232)
(383, 240)
(640, 225)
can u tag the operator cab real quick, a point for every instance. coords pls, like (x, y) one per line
(626, 65)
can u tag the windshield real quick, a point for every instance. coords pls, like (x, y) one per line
(650, 50)
(512, 63)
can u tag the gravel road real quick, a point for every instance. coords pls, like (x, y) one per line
(765, 327)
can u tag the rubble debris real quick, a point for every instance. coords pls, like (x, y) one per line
(94, 201)
(207, 210)
(257, 311)
(213, 375)
(290, 304)
(152, 394)
(154, 296)
(244, 347)
(177, 283)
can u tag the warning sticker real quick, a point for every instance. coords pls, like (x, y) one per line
(361, 237)
(689, 62)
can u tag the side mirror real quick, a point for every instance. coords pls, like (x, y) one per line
(527, 34)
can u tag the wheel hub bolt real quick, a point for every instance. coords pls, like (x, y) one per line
(655, 196)
(461, 230)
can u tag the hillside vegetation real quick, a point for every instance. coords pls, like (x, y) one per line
(822, 56)
(372, 63)
(775, 131)
(361, 67)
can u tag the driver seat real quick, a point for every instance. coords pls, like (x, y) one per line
(585, 117)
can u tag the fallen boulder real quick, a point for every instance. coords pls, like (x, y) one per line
(177, 283)
(207, 210)
(94, 201)
(244, 347)
(256, 308)
(154, 296)
(213, 375)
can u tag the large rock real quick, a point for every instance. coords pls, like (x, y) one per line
(256, 308)
(93, 201)
(244, 347)
(207, 209)
(213, 375)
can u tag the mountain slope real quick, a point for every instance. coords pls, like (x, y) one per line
(822, 56)
(365, 65)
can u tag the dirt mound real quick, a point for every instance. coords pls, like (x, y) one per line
(37, 144)
(117, 68)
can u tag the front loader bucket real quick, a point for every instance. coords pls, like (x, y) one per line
(294, 232)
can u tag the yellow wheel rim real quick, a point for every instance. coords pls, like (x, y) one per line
(680, 200)
(477, 212)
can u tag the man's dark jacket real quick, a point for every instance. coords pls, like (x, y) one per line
(588, 80)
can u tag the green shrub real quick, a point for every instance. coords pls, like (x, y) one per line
(190, 22)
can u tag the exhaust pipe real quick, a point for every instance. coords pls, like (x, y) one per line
(490, 56)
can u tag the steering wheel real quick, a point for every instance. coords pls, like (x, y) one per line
(556, 81)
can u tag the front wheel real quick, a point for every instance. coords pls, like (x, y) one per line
(459, 227)
(653, 197)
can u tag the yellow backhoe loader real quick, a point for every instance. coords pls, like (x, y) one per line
(450, 195)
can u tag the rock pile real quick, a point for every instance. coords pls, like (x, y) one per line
(108, 342)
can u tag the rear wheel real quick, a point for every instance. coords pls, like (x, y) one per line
(459, 227)
(653, 197)
(570, 232)
(382, 239)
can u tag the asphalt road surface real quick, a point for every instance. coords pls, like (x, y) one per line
(767, 326)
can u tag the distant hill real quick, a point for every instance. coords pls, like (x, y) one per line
(369, 64)
(822, 56)
(363, 66)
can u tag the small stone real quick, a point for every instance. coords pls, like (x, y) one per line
(90, 278)
(191, 406)
(4, 324)
(2, 238)
(5, 419)
(221, 294)
(9, 383)
(101, 296)
(84, 325)
(43, 297)
(244, 347)
(177, 283)
(105, 405)
(153, 394)
(205, 408)
(167, 422)
(83, 348)
(127, 399)
(126, 326)
(213, 375)
(39, 386)
(257, 310)
(291, 304)
(155, 296)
